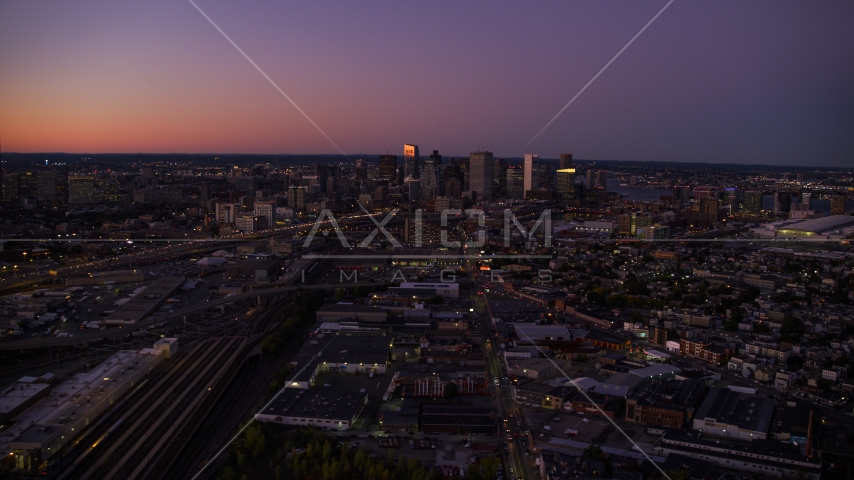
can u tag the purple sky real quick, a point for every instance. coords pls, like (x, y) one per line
(722, 81)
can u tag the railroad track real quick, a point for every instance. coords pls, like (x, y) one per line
(158, 412)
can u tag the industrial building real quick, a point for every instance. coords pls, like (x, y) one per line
(354, 355)
(457, 420)
(446, 290)
(665, 403)
(317, 407)
(144, 302)
(41, 430)
(730, 413)
(335, 312)
(766, 457)
(21, 396)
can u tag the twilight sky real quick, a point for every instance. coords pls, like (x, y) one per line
(715, 81)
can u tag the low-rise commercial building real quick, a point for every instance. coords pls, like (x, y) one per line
(735, 414)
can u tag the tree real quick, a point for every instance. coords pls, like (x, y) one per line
(761, 327)
(823, 383)
(450, 390)
(795, 362)
(680, 474)
(489, 468)
(593, 451)
(792, 325)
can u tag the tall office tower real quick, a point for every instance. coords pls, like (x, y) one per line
(411, 161)
(10, 187)
(148, 174)
(705, 192)
(602, 178)
(361, 173)
(430, 176)
(589, 179)
(388, 167)
(515, 182)
(327, 177)
(837, 205)
(81, 189)
(453, 187)
(805, 201)
(565, 161)
(47, 181)
(711, 210)
(731, 196)
(28, 185)
(782, 202)
(296, 198)
(204, 192)
(465, 171)
(266, 210)
(566, 180)
(225, 213)
(499, 180)
(752, 202)
(481, 165)
(531, 166)
(414, 189)
(546, 178)
(682, 193)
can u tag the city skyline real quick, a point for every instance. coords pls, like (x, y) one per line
(723, 83)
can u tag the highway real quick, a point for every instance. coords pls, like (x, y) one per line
(41, 276)
(96, 335)
(513, 428)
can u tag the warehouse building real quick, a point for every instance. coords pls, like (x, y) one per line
(730, 413)
(145, 302)
(334, 312)
(58, 418)
(317, 407)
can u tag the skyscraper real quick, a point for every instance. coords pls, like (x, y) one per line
(566, 182)
(782, 202)
(415, 190)
(431, 175)
(565, 161)
(837, 205)
(266, 210)
(499, 183)
(602, 178)
(531, 167)
(47, 181)
(481, 165)
(752, 202)
(711, 209)
(411, 161)
(590, 179)
(81, 189)
(296, 198)
(388, 167)
(225, 213)
(546, 178)
(515, 182)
